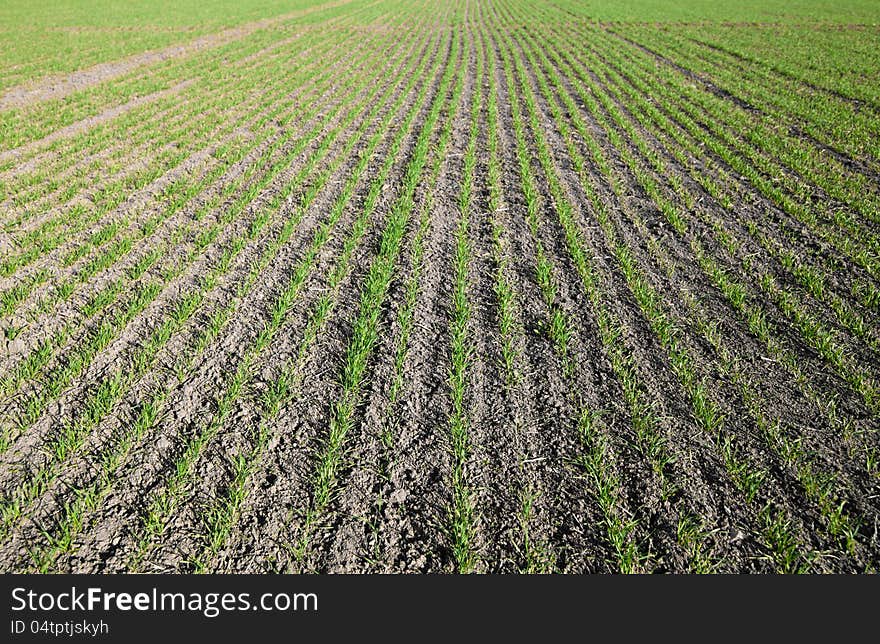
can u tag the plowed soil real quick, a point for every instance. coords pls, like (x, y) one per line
(484, 286)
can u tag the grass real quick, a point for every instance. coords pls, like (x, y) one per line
(463, 514)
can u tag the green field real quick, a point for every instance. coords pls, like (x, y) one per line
(488, 286)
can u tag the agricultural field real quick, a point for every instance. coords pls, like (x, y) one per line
(463, 286)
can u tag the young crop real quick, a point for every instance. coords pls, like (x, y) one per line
(475, 286)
